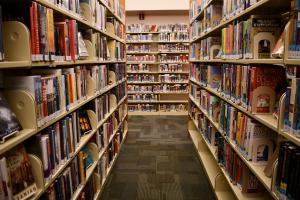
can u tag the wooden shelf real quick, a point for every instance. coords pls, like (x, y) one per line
(247, 11)
(78, 18)
(242, 61)
(27, 133)
(140, 42)
(142, 62)
(134, 83)
(290, 137)
(174, 41)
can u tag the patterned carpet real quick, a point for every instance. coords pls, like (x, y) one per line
(158, 162)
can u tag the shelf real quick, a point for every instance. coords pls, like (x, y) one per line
(292, 61)
(129, 72)
(139, 113)
(258, 170)
(27, 133)
(266, 119)
(236, 17)
(242, 61)
(134, 33)
(159, 72)
(77, 17)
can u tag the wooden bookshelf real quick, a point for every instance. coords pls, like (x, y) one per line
(23, 60)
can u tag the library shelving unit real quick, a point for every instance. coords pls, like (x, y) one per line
(221, 180)
(17, 38)
(156, 96)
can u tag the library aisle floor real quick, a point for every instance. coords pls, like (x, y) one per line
(158, 162)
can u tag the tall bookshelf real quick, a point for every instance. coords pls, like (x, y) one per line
(202, 59)
(168, 78)
(17, 37)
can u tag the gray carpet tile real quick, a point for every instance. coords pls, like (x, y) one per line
(158, 162)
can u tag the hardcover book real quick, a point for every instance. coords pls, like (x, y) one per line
(23, 184)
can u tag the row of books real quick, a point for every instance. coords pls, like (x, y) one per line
(170, 68)
(94, 12)
(118, 29)
(228, 159)
(148, 58)
(117, 51)
(254, 38)
(287, 179)
(162, 68)
(293, 43)
(206, 49)
(174, 36)
(252, 87)
(140, 88)
(139, 38)
(236, 169)
(142, 97)
(119, 70)
(253, 140)
(172, 107)
(142, 107)
(120, 91)
(232, 7)
(173, 47)
(196, 6)
(138, 48)
(53, 38)
(175, 88)
(141, 78)
(138, 68)
(155, 108)
(137, 28)
(173, 78)
(174, 58)
(158, 88)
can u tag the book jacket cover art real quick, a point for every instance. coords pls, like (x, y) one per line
(9, 123)
(22, 180)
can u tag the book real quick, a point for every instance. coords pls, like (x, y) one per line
(10, 125)
(19, 169)
(84, 122)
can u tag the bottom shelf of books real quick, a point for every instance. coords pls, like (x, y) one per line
(229, 181)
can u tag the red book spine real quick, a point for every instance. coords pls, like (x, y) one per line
(36, 28)
(252, 83)
(71, 88)
(32, 31)
(72, 39)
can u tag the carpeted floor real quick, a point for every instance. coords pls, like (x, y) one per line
(158, 162)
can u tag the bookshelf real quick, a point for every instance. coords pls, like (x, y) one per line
(88, 85)
(163, 52)
(208, 152)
